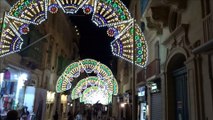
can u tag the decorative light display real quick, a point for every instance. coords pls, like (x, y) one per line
(112, 32)
(29, 11)
(87, 82)
(1, 21)
(122, 46)
(105, 13)
(115, 87)
(89, 66)
(95, 94)
(72, 71)
(10, 38)
(71, 6)
(24, 29)
(63, 84)
(87, 9)
(110, 13)
(104, 81)
(53, 6)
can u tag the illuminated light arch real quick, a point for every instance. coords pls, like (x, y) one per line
(86, 65)
(10, 38)
(115, 87)
(71, 6)
(72, 71)
(95, 94)
(63, 84)
(106, 13)
(94, 81)
(87, 82)
(113, 13)
(29, 11)
(123, 44)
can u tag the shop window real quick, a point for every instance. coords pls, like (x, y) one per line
(12, 84)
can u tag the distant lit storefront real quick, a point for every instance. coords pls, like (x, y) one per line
(142, 103)
(49, 105)
(14, 94)
(64, 106)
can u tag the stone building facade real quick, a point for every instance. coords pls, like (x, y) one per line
(178, 75)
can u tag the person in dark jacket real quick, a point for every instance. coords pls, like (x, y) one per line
(70, 116)
(12, 115)
(55, 117)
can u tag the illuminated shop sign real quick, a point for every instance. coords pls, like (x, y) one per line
(154, 88)
(141, 91)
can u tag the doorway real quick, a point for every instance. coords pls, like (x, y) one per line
(181, 109)
(176, 88)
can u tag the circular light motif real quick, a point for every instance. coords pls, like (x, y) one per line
(24, 29)
(53, 8)
(112, 32)
(87, 9)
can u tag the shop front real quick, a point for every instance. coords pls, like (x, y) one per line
(14, 93)
(50, 105)
(142, 103)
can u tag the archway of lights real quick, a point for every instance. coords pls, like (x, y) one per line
(93, 81)
(104, 82)
(88, 66)
(105, 13)
(95, 94)
(88, 88)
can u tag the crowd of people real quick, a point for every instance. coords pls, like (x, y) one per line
(93, 113)
(14, 115)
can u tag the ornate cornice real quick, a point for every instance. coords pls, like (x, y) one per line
(179, 4)
(178, 36)
(154, 25)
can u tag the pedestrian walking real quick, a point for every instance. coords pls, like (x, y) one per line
(89, 114)
(70, 116)
(79, 116)
(55, 117)
(25, 115)
(99, 115)
(12, 115)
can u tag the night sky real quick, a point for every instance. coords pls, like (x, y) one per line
(94, 41)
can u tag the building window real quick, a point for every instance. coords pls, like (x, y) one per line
(205, 7)
(144, 4)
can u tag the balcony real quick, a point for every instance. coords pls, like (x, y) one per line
(153, 68)
(141, 76)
